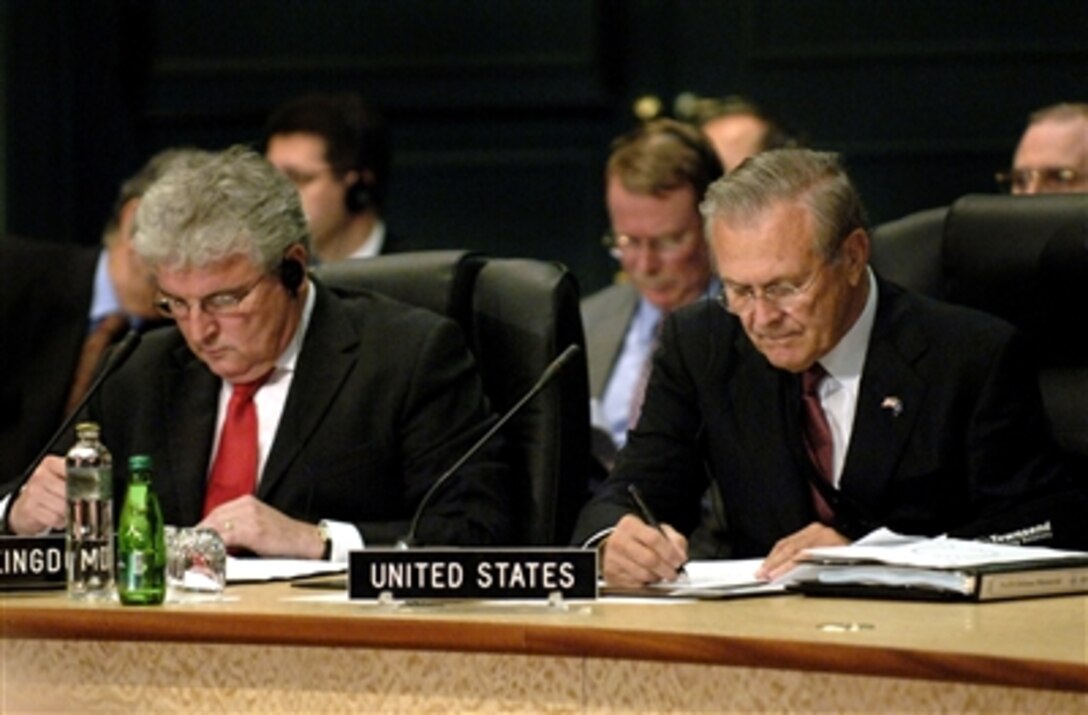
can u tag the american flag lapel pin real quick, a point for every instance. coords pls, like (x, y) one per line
(894, 404)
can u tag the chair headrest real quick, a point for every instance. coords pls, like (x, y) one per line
(907, 251)
(1025, 259)
(439, 280)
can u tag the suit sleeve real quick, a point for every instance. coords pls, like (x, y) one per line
(1020, 482)
(664, 454)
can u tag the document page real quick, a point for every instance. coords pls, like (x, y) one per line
(707, 579)
(941, 552)
(257, 570)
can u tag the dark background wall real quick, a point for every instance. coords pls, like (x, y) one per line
(502, 110)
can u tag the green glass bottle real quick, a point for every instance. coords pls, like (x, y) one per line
(141, 546)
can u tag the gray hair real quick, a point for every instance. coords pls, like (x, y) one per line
(224, 204)
(135, 186)
(816, 178)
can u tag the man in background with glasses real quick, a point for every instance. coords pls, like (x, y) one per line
(335, 149)
(823, 401)
(295, 421)
(1052, 156)
(655, 177)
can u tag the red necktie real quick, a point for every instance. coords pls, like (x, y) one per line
(234, 472)
(818, 442)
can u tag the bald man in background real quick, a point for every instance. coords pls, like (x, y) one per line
(1052, 156)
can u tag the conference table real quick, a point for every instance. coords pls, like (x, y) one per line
(274, 647)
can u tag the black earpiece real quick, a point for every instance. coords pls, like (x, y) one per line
(358, 197)
(291, 274)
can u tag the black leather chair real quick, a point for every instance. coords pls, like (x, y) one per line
(441, 281)
(518, 315)
(1023, 258)
(907, 251)
(526, 313)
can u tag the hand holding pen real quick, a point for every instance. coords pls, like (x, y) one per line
(650, 519)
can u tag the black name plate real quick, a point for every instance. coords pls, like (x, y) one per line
(28, 562)
(495, 573)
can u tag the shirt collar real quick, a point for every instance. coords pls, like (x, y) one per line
(647, 315)
(847, 359)
(372, 246)
(103, 298)
(288, 358)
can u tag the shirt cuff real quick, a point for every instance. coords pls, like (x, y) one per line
(345, 538)
(5, 502)
(595, 540)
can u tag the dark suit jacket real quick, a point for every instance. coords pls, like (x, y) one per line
(396, 243)
(385, 397)
(45, 301)
(970, 440)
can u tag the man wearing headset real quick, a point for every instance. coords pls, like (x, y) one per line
(295, 421)
(335, 150)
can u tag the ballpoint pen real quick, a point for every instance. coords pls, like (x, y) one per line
(648, 516)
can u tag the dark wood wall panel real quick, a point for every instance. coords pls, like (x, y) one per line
(925, 98)
(409, 53)
(502, 110)
(853, 30)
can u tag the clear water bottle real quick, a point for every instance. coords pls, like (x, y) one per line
(88, 546)
(141, 545)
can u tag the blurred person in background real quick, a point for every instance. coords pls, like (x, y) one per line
(655, 177)
(61, 306)
(737, 127)
(1052, 156)
(335, 149)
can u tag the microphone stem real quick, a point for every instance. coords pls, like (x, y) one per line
(119, 355)
(545, 378)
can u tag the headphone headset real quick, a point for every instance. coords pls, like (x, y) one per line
(291, 273)
(357, 196)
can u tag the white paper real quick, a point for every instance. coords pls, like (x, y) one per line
(255, 570)
(718, 579)
(941, 552)
(882, 575)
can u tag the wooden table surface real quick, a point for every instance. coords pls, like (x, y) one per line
(1036, 643)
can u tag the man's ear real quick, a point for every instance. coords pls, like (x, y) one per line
(855, 253)
(126, 220)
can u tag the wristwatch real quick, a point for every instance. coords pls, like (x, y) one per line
(326, 539)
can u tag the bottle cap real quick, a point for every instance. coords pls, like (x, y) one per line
(139, 462)
(87, 427)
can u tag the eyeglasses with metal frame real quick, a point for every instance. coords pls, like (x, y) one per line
(781, 295)
(220, 303)
(620, 244)
(1048, 177)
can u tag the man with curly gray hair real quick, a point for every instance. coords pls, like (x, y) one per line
(295, 421)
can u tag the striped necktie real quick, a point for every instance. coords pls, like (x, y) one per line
(817, 432)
